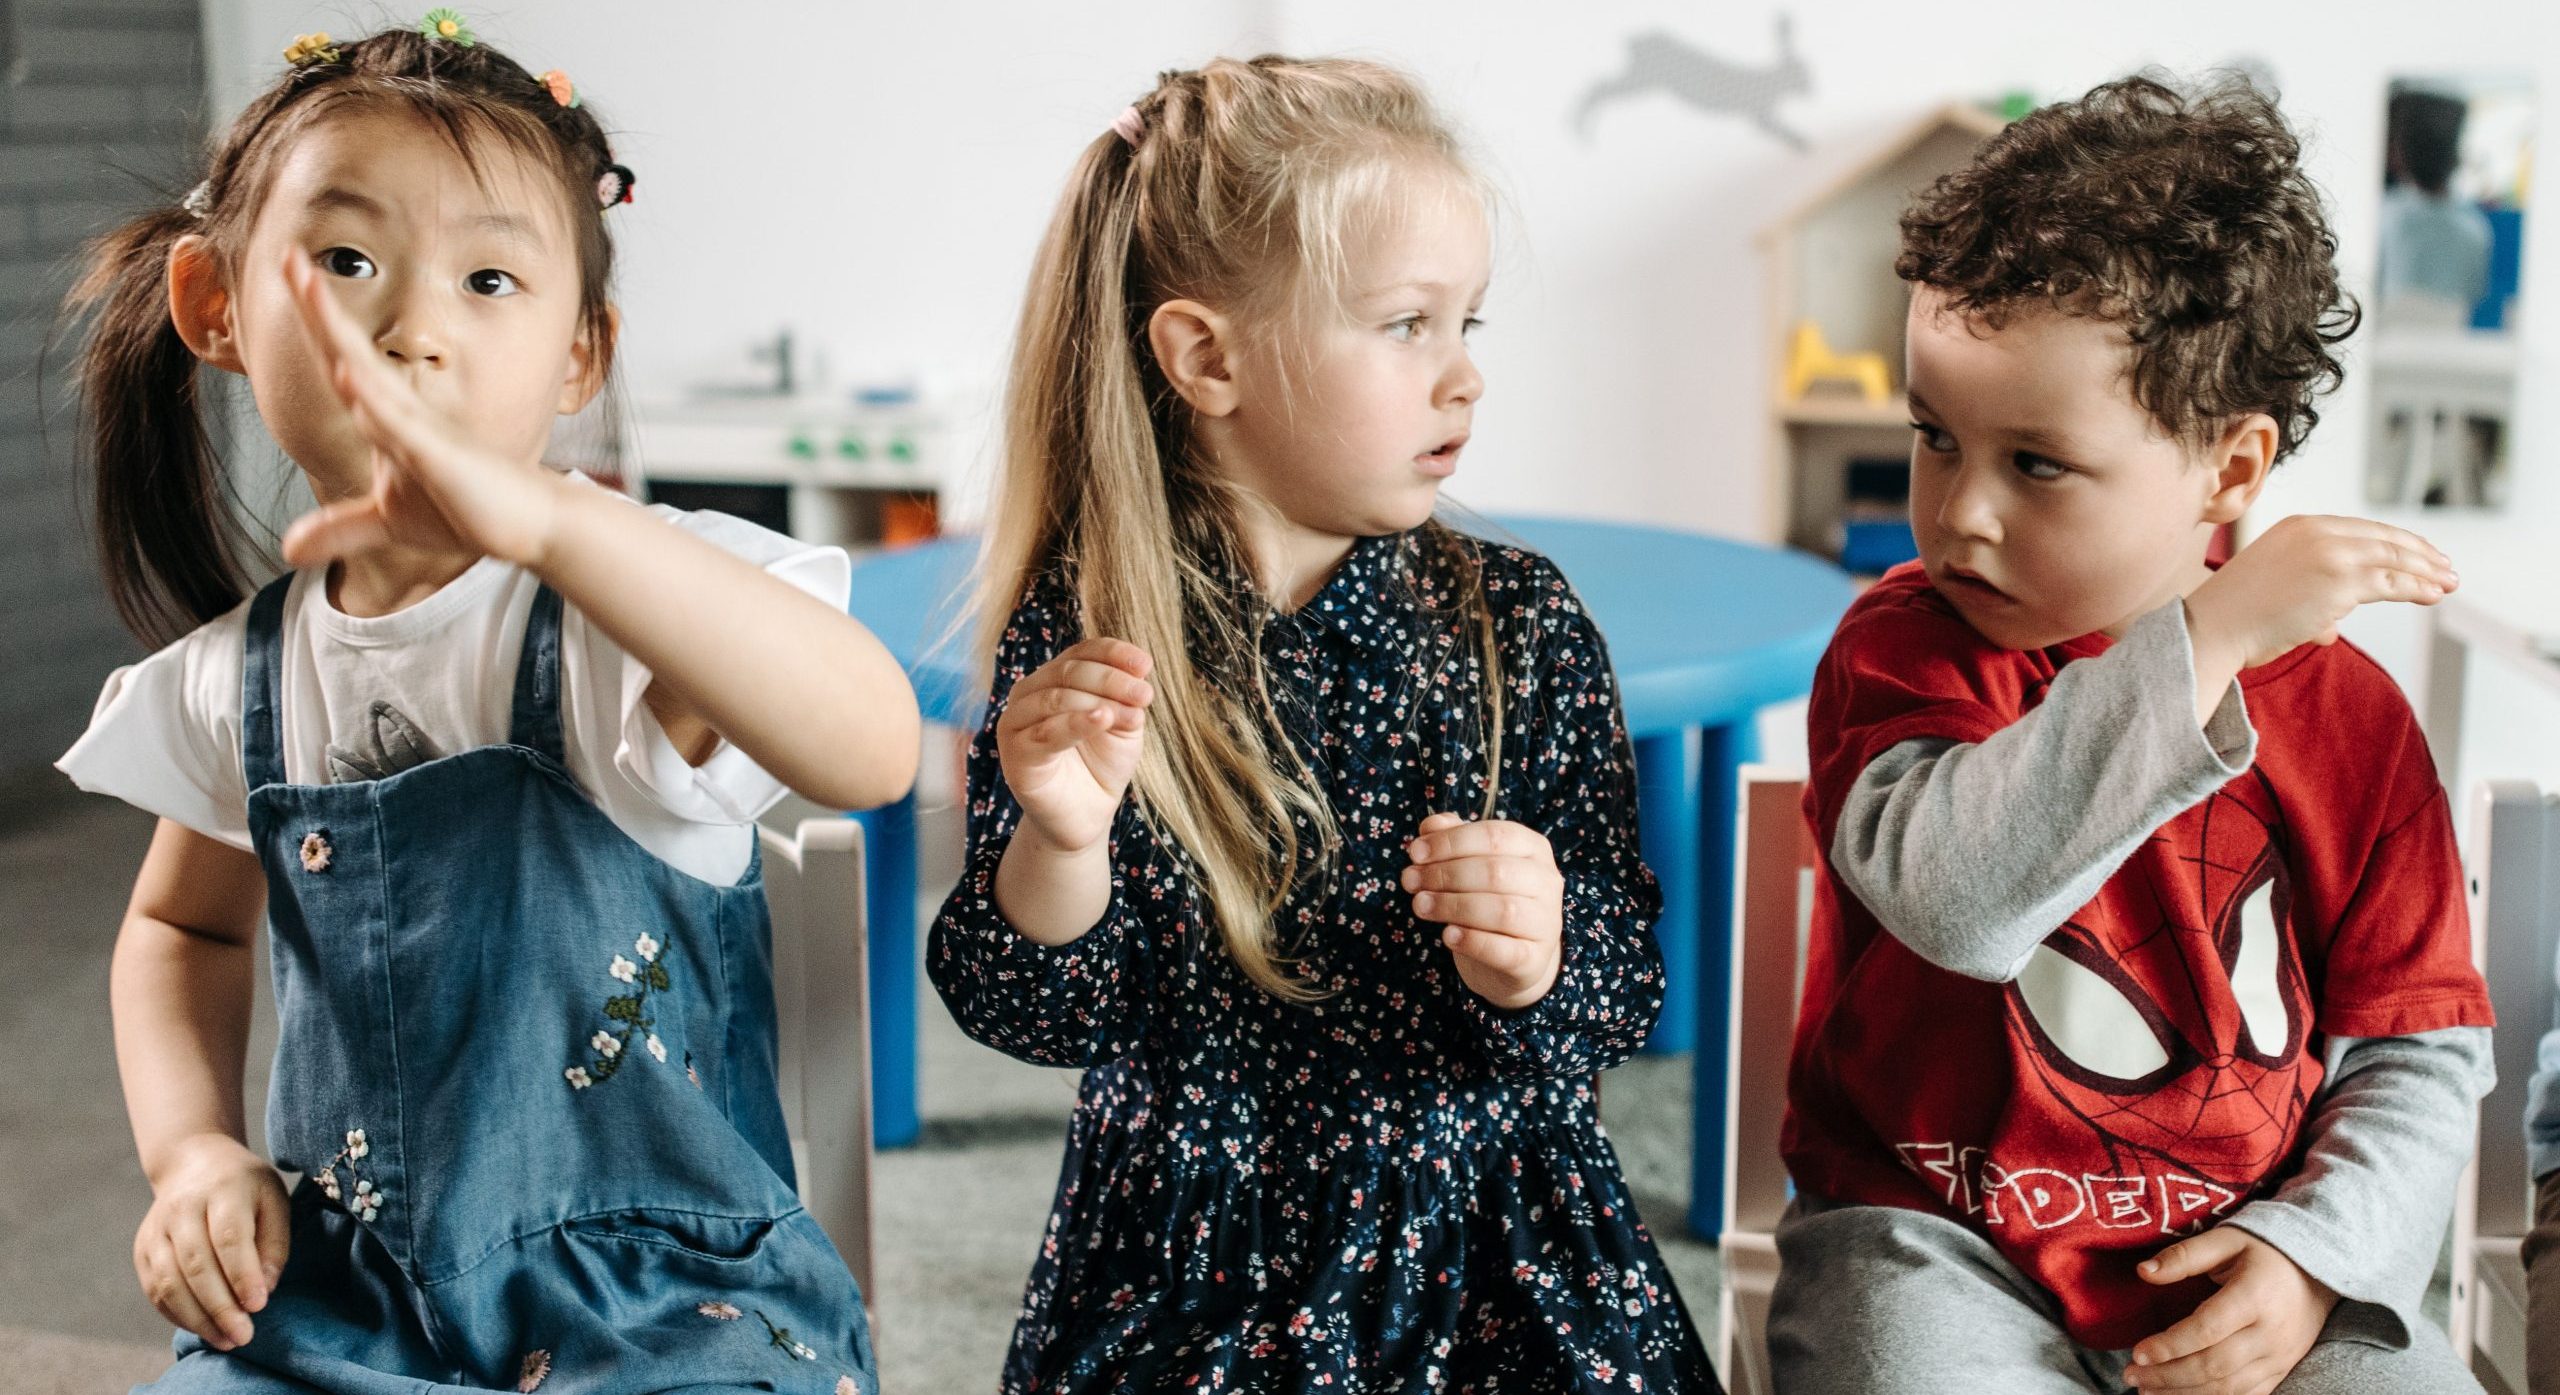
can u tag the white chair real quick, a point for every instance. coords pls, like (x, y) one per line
(813, 886)
(2514, 885)
(1773, 909)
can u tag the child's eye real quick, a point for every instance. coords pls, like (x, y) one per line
(490, 281)
(2036, 467)
(1933, 440)
(1408, 329)
(347, 262)
(1468, 330)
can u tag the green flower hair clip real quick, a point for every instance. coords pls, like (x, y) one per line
(447, 25)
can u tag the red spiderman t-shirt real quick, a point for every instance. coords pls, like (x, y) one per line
(2315, 895)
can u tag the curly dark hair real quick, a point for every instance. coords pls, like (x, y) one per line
(2186, 219)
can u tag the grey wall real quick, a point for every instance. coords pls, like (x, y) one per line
(101, 109)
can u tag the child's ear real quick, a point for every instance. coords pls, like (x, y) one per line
(1192, 344)
(2239, 461)
(589, 363)
(200, 304)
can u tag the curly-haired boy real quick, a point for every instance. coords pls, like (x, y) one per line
(2140, 1033)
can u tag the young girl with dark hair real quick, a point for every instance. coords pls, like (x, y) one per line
(487, 765)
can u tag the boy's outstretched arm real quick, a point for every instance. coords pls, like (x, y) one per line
(1971, 853)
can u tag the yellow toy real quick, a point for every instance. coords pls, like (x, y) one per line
(1810, 360)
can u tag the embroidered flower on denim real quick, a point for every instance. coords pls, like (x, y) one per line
(316, 850)
(845, 1386)
(724, 1312)
(536, 1369)
(364, 1202)
(629, 1011)
(782, 1338)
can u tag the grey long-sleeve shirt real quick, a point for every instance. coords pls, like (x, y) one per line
(2111, 754)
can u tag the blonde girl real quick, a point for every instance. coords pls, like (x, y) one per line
(1302, 822)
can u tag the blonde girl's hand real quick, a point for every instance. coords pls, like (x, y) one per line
(2247, 1337)
(1495, 885)
(1070, 738)
(213, 1244)
(431, 488)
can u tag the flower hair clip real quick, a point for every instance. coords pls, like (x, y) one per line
(561, 89)
(614, 186)
(447, 25)
(311, 48)
(1129, 125)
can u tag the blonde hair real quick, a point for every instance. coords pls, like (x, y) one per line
(1238, 191)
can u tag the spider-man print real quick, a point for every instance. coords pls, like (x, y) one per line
(2172, 1022)
(2155, 1067)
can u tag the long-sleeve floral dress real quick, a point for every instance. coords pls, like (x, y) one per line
(1400, 1187)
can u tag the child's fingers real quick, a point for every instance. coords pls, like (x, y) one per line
(275, 1236)
(2237, 1367)
(2197, 1254)
(1507, 916)
(231, 1222)
(1506, 876)
(1118, 653)
(1488, 838)
(2215, 1321)
(1501, 953)
(201, 1271)
(1065, 731)
(1105, 680)
(1050, 703)
(1436, 822)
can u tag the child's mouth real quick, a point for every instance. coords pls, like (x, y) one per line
(1441, 460)
(1967, 583)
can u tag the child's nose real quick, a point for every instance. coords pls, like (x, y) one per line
(1971, 508)
(1462, 383)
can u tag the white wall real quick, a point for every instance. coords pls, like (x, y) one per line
(877, 175)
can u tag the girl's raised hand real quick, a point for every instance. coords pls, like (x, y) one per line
(431, 488)
(1495, 885)
(1070, 737)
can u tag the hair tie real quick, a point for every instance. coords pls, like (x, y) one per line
(561, 89)
(311, 48)
(199, 200)
(447, 25)
(1129, 125)
(614, 186)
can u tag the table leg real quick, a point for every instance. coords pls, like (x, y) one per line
(1667, 769)
(1722, 753)
(889, 901)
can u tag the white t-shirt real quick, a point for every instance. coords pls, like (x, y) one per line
(366, 697)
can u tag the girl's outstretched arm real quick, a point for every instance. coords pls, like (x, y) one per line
(209, 1251)
(803, 689)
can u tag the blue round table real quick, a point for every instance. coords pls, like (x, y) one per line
(1703, 632)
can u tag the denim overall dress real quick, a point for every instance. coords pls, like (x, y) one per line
(527, 1073)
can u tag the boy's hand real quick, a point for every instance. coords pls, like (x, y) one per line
(2245, 1339)
(214, 1242)
(2299, 579)
(1070, 738)
(1496, 887)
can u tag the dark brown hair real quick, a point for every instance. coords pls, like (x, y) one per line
(2186, 219)
(170, 540)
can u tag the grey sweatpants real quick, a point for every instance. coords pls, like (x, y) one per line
(1877, 1300)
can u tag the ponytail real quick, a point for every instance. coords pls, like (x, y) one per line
(168, 537)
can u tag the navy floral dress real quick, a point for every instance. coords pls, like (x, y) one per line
(1398, 1188)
